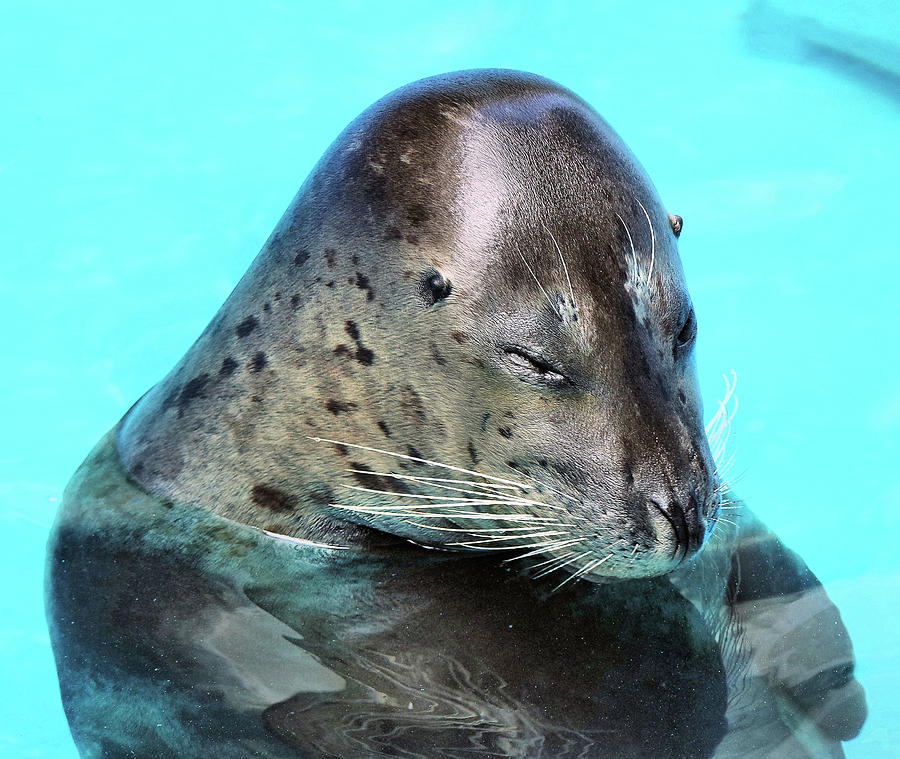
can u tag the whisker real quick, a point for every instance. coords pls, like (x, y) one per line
(478, 545)
(534, 277)
(420, 480)
(552, 569)
(445, 514)
(478, 531)
(540, 484)
(421, 461)
(652, 245)
(634, 260)
(303, 541)
(583, 571)
(553, 559)
(551, 547)
(503, 538)
(442, 500)
(563, 261)
(428, 480)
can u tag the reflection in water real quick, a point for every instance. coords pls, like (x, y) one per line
(180, 634)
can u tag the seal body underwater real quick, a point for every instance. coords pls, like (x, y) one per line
(352, 520)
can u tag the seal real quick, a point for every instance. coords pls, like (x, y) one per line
(468, 340)
(482, 277)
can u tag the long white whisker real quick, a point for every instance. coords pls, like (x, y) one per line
(652, 245)
(479, 532)
(479, 545)
(590, 566)
(563, 261)
(534, 277)
(488, 517)
(551, 569)
(496, 498)
(540, 484)
(441, 500)
(553, 560)
(422, 461)
(506, 538)
(634, 260)
(551, 547)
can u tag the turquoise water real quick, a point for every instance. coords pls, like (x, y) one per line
(145, 155)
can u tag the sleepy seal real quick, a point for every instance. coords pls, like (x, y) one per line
(469, 338)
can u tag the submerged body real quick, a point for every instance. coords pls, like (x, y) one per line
(468, 339)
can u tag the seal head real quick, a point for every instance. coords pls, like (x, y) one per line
(470, 330)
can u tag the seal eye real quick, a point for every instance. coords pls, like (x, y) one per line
(688, 332)
(435, 287)
(532, 366)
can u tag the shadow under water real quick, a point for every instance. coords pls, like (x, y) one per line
(181, 634)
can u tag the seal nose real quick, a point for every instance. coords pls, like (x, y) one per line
(685, 521)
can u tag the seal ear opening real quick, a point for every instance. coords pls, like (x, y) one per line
(434, 287)
(676, 222)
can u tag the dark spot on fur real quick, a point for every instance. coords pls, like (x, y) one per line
(271, 498)
(278, 296)
(542, 463)
(319, 493)
(512, 465)
(193, 389)
(376, 481)
(436, 355)
(382, 425)
(341, 350)
(362, 282)
(473, 454)
(505, 431)
(167, 503)
(412, 239)
(258, 362)
(267, 307)
(339, 407)
(246, 327)
(364, 355)
(302, 257)
(411, 450)
(295, 300)
(392, 233)
(417, 214)
(228, 367)
(412, 405)
(354, 259)
(330, 284)
(341, 449)
(330, 257)
(484, 422)
(460, 337)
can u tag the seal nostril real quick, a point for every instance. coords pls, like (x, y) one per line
(685, 524)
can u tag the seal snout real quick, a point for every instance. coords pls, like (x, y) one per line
(684, 520)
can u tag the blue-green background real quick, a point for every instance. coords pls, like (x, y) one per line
(147, 150)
